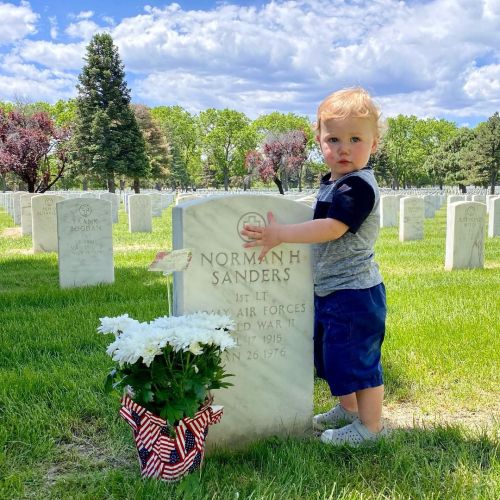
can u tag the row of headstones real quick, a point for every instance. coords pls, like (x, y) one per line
(465, 221)
(410, 212)
(37, 217)
(80, 231)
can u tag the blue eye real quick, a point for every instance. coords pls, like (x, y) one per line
(332, 139)
(355, 139)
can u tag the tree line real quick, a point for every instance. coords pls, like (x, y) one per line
(101, 140)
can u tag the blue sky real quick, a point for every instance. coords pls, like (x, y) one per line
(432, 58)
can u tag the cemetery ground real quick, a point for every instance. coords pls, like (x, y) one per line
(61, 436)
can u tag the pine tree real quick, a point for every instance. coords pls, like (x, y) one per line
(157, 146)
(108, 140)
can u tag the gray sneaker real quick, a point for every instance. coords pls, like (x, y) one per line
(336, 417)
(354, 434)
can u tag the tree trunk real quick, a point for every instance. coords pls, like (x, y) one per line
(122, 184)
(111, 184)
(278, 183)
(284, 177)
(493, 182)
(462, 188)
(226, 180)
(85, 184)
(136, 185)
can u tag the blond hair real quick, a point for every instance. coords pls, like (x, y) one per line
(350, 102)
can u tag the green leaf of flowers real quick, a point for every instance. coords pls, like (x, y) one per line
(108, 384)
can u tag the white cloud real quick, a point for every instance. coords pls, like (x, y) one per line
(53, 27)
(392, 48)
(484, 83)
(197, 92)
(18, 21)
(63, 56)
(85, 14)
(432, 58)
(82, 29)
(26, 82)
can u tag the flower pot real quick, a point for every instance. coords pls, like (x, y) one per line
(161, 456)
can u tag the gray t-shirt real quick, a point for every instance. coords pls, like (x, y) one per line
(348, 262)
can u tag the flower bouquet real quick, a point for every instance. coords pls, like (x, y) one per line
(165, 371)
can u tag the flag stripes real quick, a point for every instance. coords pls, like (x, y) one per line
(161, 456)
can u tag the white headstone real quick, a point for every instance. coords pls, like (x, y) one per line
(114, 199)
(429, 206)
(139, 213)
(388, 211)
(85, 242)
(465, 235)
(411, 218)
(271, 302)
(452, 198)
(16, 214)
(156, 206)
(44, 222)
(26, 220)
(494, 217)
(481, 198)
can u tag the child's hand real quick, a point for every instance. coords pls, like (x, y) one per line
(266, 237)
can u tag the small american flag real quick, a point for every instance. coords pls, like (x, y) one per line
(161, 456)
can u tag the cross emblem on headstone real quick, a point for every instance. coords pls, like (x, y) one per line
(252, 220)
(85, 210)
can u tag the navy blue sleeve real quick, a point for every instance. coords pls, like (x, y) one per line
(352, 202)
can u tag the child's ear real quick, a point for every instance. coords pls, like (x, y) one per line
(374, 145)
(317, 138)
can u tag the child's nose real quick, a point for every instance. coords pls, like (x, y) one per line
(343, 147)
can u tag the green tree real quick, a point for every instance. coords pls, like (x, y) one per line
(182, 131)
(484, 159)
(108, 140)
(449, 162)
(400, 133)
(227, 137)
(64, 113)
(157, 147)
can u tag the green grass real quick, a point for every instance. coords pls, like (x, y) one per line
(61, 437)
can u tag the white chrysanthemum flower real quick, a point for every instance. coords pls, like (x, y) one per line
(195, 348)
(135, 340)
(117, 324)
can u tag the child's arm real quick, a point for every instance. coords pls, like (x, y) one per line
(313, 231)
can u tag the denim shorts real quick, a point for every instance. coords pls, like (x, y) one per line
(349, 329)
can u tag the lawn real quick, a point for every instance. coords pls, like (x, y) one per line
(61, 437)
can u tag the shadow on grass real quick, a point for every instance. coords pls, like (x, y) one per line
(443, 462)
(420, 462)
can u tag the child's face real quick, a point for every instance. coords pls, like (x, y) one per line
(346, 144)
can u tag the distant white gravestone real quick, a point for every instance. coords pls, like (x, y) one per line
(156, 207)
(16, 204)
(140, 213)
(411, 218)
(465, 235)
(26, 219)
(115, 204)
(84, 231)
(271, 303)
(389, 211)
(494, 217)
(44, 222)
